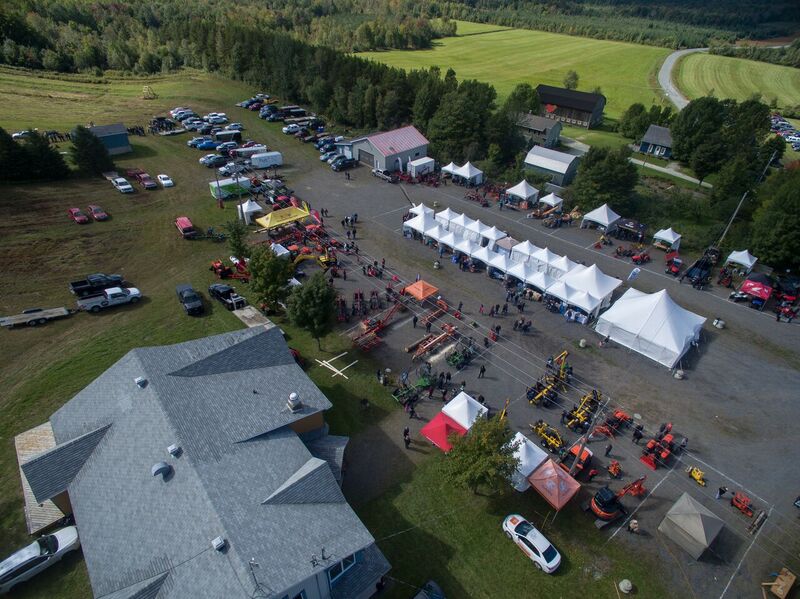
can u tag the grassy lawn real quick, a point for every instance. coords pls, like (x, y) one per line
(604, 137)
(429, 530)
(504, 58)
(725, 77)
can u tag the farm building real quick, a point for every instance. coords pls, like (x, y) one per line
(213, 455)
(657, 141)
(572, 107)
(538, 130)
(114, 138)
(560, 167)
(388, 150)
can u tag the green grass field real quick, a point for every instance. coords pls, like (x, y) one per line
(725, 77)
(624, 72)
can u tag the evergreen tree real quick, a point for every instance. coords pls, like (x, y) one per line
(236, 231)
(522, 100)
(88, 152)
(312, 307)
(14, 159)
(776, 223)
(269, 276)
(708, 157)
(45, 161)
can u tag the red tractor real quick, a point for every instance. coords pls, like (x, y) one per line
(641, 258)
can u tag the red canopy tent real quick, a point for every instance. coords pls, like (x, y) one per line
(439, 429)
(757, 288)
(554, 484)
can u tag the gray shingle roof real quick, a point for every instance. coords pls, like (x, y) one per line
(51, 472)
(536, 122)
(357, 579)
(237, 451)
(569, 98)
(659, 136)
(331, 449)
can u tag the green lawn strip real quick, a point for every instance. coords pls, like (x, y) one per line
(430, 530)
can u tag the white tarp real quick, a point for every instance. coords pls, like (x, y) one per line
(421, 209)
(651, 324)
(593, 281)
(470, 172)
(530, 457)
(602, 216)
(420, 223)
(669, 237)
(279, 250)
(247, 209)
(524, 191)
(450, 168)
(574, 297)
(464, 410)
(551, 200)
(523, 251)
(445, 216)
(743, 258)
(542, 281)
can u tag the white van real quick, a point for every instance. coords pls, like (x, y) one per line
(266, 160)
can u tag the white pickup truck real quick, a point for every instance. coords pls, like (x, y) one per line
(115, 296)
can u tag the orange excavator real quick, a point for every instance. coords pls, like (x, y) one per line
(606, 505)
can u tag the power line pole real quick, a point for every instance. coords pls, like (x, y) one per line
(744, 196)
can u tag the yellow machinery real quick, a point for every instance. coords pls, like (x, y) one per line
(325, 260)
(698, 475)
(580, 417)
(558, 371)
(550, 437)
(546, 394)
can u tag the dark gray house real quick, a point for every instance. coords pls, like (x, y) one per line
(569, 106)
(204, 469)
(657, 141)
(540, 131)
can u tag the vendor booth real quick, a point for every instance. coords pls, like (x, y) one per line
(521, 271)
(248, 210)
(459, 224)
(561, 266)
(667, 240)
(603, 218)
(470, 173)
(492, 236)
(445, 216)
(543, 258)
(630, 230)
(523, 194)
(540, 281)
(760, 286)
(743, 258)
(420, 223)
(421, 209)
(464, 410)
(475, 231)
(283, 217)
(549, 204)
(523, 251)
(572, 298)
(421, 166)
(554, 484)
(450, 168)
(439, 430)
(593, 281)
(530, 456)
(505, 246)
(651, 324)
(420, 290)
(449, 239)
(691, 525)
(465, 246)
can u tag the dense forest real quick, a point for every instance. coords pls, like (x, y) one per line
(788, 56)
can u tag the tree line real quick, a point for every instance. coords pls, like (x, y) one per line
(788, 56)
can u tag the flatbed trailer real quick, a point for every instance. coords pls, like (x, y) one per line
(34, 317)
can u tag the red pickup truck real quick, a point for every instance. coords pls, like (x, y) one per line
(143, 178)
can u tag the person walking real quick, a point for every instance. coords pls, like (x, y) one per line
(344, 274)
(414, 321)
(720, 492)
(460, 305)
(444, 395)
(462, 387)
(637, 436)
(482, 371)
(411, 412)
(608, 450)
(428, 327)
(480, 310)
(491, 311)
(505, 309)
(440, 382)
(447, 378)
(633, 527)
(406, 437)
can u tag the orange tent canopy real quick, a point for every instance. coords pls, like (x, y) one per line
(420, 290)
(554, 484)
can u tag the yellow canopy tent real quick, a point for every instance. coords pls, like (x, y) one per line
(420, 290)
(280, 218)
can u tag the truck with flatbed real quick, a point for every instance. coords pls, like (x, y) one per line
(94, 283)
(115, 296)
(34, 317)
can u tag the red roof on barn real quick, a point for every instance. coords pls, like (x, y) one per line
(397, 140)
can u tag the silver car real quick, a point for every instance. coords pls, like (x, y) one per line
(39, 555)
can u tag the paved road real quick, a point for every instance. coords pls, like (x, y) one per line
(665, 77)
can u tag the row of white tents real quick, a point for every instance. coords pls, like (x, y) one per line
(469, 172)
(650, 324)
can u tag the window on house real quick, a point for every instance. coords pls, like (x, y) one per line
(335, 572)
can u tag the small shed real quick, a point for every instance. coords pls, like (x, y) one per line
(114, 138)
(691, 525)
(657, 141)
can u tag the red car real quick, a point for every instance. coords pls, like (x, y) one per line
(147, 181)
(97, 213)
(78, 216)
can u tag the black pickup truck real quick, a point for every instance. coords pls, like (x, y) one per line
(95, 283)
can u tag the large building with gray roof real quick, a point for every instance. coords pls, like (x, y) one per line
(191, 473)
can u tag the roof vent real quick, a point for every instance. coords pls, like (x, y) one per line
(174, 450)
(140, 381)
(161, 468)
(294, 404)
(219, 543)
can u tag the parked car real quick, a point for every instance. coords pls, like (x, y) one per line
(218, 120)
(208, 157)
(293, 128)
(94, 283)
(385, 175)
(165, 180)
(225, 147)
(336, 158)
(205, 129)
(97, 213)
(185, 227)
(122, 185)
(39, 555)
(195, 141)
(113, 296)
(178, 109)
(78, 216)
(532, 543)
(231, 168)
(146, 181)
(343, 165)
(190, 300)
(328, 155)
(208, 144)
(255, 106)
(215, 161)
(235, 127)
(227, 296)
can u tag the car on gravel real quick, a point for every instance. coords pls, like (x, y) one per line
(344, 164)
(388, 176)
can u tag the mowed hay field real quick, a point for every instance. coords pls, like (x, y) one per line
(725, 77)
(505, 57)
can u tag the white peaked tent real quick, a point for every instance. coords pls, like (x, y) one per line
(543, 258)
(561, 266)
(420, 223)
(530, 457)
(445, 216)
(494, 234)
(523, 251)
(279, 250)
(421, 209)
(482, 254)
(247, 209)
(470, 172)
(475, 230)
(603, 216)
(541, 281)
(668, 237)
(500, 261)
(593, 281)
(743, 258)
(460, 223)
(450, 168)
(651, 324)
(450, 240)
(522, 271)
(466, 246)
(552, 200)
(435, 231)
(691, 525)
(575, 297)
(464, 410)
(524, 191)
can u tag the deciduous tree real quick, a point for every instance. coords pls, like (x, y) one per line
(311, 306)
(776, 223)
(571, 80)
(45, 162)
(604, 177)
(269, 276)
